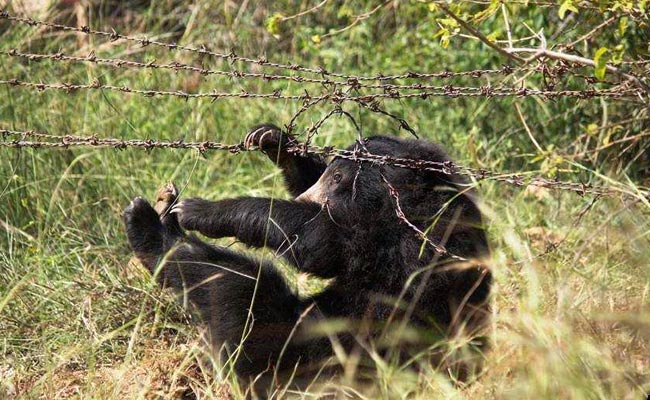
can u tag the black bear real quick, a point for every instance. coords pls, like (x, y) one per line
(378, 230)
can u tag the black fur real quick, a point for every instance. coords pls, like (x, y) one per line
(383, 271)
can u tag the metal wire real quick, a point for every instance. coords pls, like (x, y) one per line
(232, 57)
(46, 140)
(338, 96)
(177, 66)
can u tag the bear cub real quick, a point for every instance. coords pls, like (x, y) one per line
(376, 230)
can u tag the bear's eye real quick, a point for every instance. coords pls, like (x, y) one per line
(337, 177)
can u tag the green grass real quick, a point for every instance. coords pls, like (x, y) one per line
(79, 320)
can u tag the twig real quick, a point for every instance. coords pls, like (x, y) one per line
(613, 143)
(537, 53)
(505, 19)
(590, 33)
(303, 13)
(530, 134)
(478, 34)
(358, 19)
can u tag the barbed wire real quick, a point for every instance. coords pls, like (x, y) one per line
(338, 96)
(174, 66)
(552, 71)
(390, 91)
(144, 42)
(46, 140)
(333, 84)
(66, 141)
(232, 57)
(177, 66)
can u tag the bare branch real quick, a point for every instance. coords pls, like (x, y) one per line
(303, 13)
(358, 19)
(537, 53)
(478, 34)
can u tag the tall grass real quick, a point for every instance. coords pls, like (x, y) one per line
(79, 320)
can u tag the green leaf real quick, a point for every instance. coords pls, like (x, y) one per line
(441, 32)
(567, 5)
(601, 59)
(592, 129)
(273, 23)
(488, 12)
(444, 36)
(444, 41)
(345, 12)
(492, 37)
(618, 54)
(622, 26)
(448, 22)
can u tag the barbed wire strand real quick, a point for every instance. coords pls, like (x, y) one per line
(338, 96)
(233, 57)
(390, 91)
(144, 42)
(551, 71)
(357, 155)
(177, 66)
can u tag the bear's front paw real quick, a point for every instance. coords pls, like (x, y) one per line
(167, 195)
(268, 138)
(193, 214)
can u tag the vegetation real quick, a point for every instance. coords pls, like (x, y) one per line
(571, 302)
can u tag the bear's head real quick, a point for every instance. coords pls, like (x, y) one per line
(357, 191)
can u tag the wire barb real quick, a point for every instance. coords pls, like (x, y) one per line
(338, 97)
(46, 140)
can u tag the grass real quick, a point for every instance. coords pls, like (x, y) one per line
(79, 320)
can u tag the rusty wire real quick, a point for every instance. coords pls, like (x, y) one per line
(332, 93)
(144, 42)
(438, 247)
(338, 96)
(232, 57)
(92, 58)
(45, 140)
(177, 66)
(350, 83)
(66, 141)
